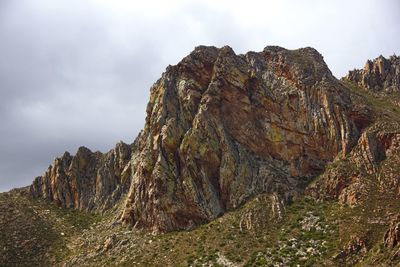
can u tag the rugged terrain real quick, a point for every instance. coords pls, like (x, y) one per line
(244, 160)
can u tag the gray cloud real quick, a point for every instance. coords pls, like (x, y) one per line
(78, 72)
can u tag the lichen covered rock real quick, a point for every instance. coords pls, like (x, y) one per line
(222, 127)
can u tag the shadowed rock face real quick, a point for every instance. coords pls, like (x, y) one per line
(222, 128)
(379, 74)
(87, 181)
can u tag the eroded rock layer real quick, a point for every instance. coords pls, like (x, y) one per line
(87, 181)
(378, 74)
(372, 166)
(222, 128)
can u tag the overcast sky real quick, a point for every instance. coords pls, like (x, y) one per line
(78, 72)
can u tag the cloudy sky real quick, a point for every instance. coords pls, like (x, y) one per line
(78, 72)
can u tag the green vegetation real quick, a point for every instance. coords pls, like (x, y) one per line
(250, 236)
(382, 104)
(35, 232)
(310, 233)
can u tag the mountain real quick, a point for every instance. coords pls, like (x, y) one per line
(265, 147)
(222, 128)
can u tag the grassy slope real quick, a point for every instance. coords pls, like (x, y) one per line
(35, 232)
(309, 234)
(223, 240)
(382, 105)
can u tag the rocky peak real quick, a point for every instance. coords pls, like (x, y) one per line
(87, 181)
(378, 74)
(222, 128)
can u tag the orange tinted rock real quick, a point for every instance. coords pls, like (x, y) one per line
(87, 181)
(222, 128)
(379, 74)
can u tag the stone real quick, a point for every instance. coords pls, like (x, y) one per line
(380, 74)
(375, 155)
(88, 181)
(109, 243)
(355, 246)
(222, 128)
(392, 235)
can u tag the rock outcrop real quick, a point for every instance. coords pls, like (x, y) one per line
(222, 128)
(87, 181)
(371, 165)
(354, 247)
(391, 240)
(378, 74)
(392, 235)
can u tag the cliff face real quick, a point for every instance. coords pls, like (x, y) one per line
(378, 74)
(87, 181)
(372, 166)
(222, 127)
